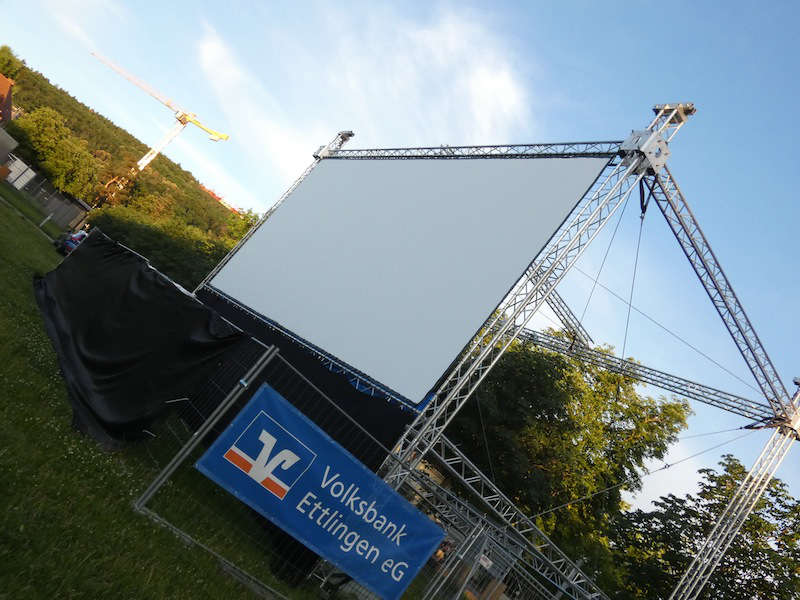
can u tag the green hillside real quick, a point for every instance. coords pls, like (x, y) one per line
(80, 151)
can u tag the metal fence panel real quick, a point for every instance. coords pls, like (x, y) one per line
(250, 547)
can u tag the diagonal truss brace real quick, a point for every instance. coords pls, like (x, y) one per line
(601, 201)
(568, 319)
(604, 197)
(538, 558)
(694, 244)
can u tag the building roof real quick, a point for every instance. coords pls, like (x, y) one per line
(5, 99)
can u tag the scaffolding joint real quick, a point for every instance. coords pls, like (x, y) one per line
(647, 145)
(335, 144)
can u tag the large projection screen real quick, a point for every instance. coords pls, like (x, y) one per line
(391, 266)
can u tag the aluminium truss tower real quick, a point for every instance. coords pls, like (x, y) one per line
(516, 312)
(645, 151)
(780, 412)
(786, 421)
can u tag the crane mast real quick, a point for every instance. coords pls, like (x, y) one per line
(182, 119)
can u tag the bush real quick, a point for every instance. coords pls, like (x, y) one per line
(182, 252)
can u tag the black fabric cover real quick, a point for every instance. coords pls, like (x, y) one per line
(383, 419)
(127, 338)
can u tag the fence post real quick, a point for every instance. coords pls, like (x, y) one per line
(448, 568)
(201, 431)
(46, 219)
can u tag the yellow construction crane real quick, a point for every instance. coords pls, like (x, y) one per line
(182, 118)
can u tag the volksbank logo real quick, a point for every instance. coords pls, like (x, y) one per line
(270, 455)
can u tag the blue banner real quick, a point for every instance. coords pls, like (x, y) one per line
(277, 461)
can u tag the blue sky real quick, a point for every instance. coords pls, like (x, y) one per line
(283, 78)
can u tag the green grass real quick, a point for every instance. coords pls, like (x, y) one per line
(67, 525)
(67, 528)
(19, 201)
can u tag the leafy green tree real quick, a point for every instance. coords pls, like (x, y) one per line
(762, 563)
(71, 168)
(38, 133)
(558, 430)
(63, 158)
(10, 65)
(164, 190)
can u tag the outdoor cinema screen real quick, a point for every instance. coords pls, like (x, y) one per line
(391, 266)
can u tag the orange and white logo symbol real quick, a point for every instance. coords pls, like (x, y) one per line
(270, 455)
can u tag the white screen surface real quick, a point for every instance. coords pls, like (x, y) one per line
(392, 265)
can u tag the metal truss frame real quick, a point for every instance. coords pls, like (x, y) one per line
(555, 150)
(739, 405)
(786, 420)
(538, 559)
(734, 516)
(694, 244)
(602, 200)
(642, 156)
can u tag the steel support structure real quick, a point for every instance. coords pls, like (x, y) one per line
(735, 514)
(684, 225)
(750, 409)
(642, 156)
(568, 319)
(602, 200)
(694, 244)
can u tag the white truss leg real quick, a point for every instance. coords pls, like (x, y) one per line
(603, 199)
(702, 567)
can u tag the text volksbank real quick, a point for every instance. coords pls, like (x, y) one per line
(271, 457)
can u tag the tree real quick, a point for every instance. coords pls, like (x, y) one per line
(762, 563)
(63, 158)
(163, 190)
(558, 430)
(10, 65)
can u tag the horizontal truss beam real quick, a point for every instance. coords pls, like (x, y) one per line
(666, 381)
(606, 149)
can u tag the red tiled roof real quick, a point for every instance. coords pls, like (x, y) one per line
(5, 99)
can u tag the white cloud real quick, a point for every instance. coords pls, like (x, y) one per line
(448, 81)
(393, 81)
(259, 126)
(75, 17)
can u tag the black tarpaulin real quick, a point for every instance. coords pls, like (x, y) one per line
(127, 338)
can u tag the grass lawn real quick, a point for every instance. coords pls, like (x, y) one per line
(67, 529)
(27, 208)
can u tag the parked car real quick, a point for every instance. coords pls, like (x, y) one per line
(67, 242)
